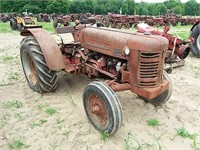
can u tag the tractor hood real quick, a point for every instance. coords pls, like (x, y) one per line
(113, 42)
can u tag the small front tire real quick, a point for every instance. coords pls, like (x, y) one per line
(102, 107)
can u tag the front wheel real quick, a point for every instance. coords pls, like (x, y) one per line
(102, 107)
(39, 77)
(163, 97)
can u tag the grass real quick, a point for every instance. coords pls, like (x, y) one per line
(13, 104)
(58, 121)
(17, 144)
(196, 70)
(65, 133)
(153, 122)
(13, 76)
(38, 123)
(4, 119)
(53, 146)
(131, 142)
(182, 132)
(47, 26)
(105, 136)
(19, 116)
(48, 110)
(7, 58)
(5, 28)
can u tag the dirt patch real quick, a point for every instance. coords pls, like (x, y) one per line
(57, 120)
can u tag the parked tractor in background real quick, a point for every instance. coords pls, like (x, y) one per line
(125, 60)
(59, 21)
(43, 18)
(18, 23)
(195, 39)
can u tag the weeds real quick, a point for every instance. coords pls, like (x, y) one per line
(13, 77)
(19, 116)
(131, 138)
(38, 123)
(50, 111)
(3, 120)
(58, 121)
(153, 122)
(53, 146)
(42, 106)
(196, 70)
(13, 104)
(6, 59)
(17, 144)
(128, 144)
(182, 132)
(105, 136)
(65, 133)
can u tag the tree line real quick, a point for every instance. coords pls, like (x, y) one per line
(129, 7)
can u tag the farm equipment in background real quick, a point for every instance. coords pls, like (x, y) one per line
(59, 21)
(178, 49)
(195, 39)
(18, 23)
(126, 61)
(43, 18)
(4, 17)
(118, 21)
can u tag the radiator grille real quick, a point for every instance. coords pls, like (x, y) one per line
(149, 69)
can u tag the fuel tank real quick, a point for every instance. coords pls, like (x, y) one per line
(113, 42)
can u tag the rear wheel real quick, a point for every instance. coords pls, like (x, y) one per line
(102, 107)
(39, 77)
(195, 47)
(13, 24)
(164, 97)
(55, 23)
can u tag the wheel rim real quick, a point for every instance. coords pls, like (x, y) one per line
(29, 68)
(198, 42)
(97, 109)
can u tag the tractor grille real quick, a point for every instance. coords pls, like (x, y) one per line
(149, 69)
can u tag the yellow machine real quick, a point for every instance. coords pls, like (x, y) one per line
(18, 23)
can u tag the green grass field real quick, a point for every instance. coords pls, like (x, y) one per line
(182, 31)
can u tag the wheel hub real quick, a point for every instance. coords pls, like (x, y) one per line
(98, 109)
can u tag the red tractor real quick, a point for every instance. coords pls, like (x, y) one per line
(126, 61)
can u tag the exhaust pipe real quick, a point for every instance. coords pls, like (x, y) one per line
(183, 51)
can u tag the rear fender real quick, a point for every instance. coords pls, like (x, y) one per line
(198, 22)
(49, 47)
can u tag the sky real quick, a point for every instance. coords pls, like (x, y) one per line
(160, 1)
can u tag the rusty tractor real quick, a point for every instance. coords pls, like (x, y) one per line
(178, 49)
(126, 61)
(195, 39)
(118, 21)
(59, 21)
(43, 18)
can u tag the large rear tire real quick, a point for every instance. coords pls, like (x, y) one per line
(102, 107)
(163, 97)
(13, 24)
(39, 77)
(195, 47)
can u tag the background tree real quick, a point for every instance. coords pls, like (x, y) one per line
(192, 8)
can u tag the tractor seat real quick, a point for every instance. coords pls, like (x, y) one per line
(66, 34)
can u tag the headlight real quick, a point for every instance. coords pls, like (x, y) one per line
(127, 51)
